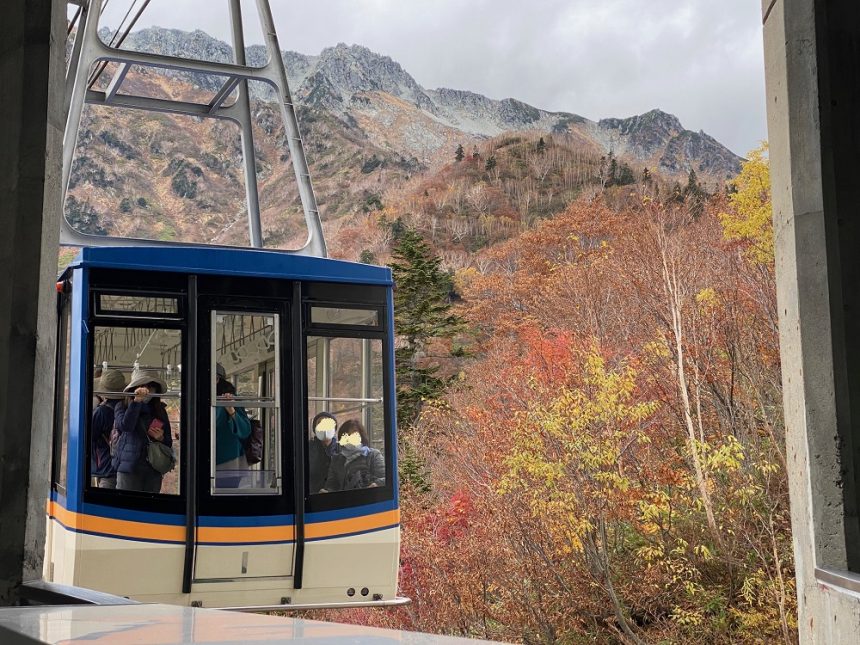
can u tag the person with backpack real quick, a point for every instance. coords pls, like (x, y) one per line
(232, 430)
(141, 419)
(110, 385)
(356, 465)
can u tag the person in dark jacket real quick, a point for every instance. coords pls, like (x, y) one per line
(110, 385)
(141, 418)
(322, 447)
(356, 465)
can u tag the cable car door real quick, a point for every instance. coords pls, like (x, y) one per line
(245, 497)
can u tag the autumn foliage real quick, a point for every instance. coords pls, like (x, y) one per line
(609, 465)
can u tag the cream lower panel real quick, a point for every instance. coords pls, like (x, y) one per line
(152, 572)
(128, 567)
(366, 560)
(257, 597)
(243, 561)
(47, 561)
(60, 559)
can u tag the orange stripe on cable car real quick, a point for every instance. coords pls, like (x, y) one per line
(112, 527)
(218, 534)
(335, 528)
(246, 534)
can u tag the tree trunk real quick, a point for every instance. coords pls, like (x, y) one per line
(670, 284)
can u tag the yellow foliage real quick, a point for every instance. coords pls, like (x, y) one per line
(463, 278)
(707, 298)
(750, 218)
(567, 455)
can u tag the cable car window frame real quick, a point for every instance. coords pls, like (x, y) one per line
(358, 497)
(272, 403)
(378, 309)
(62, 380)
(99, 311)
(162, 501)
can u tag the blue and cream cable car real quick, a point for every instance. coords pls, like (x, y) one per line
(223, 348)
(296, 336)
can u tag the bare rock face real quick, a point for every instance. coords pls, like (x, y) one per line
(658, 139)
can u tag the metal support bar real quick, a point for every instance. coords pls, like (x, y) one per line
(222, 94)
(243, 106)
(115, 82)
(148, 104)
(342, 399)
(315, 244)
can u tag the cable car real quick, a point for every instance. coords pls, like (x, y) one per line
(296, 336)
(209, 486)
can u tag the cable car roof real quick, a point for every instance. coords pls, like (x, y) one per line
(256, 263)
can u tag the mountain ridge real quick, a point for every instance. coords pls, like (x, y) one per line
(355, 83)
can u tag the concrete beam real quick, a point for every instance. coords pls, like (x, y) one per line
(32, 46)
(812, 124)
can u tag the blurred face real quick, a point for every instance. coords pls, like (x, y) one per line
(352, 439)
(324, 430)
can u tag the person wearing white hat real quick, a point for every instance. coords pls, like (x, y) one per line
(141, 418)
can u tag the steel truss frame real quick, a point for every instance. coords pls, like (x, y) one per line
(89, 50)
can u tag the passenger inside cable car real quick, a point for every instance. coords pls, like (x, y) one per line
(140, 420)
(322, 446)
(111, 383)
(232, 432)
(356, 464)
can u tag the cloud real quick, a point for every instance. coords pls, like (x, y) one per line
(701, 61)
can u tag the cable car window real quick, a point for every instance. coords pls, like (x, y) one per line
(347, 449)
(137, 403)
(61, 431)
(130, 305)
(245, 414)
(344, 316)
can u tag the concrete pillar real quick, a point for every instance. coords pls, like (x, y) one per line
(32, 45)
(813, 94)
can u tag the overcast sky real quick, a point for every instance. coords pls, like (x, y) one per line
(698, 59)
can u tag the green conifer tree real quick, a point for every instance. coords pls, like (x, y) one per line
(694, 194)
(460, 153)
(491, 163)
(613, 171)
(422, 312)
(693, 187)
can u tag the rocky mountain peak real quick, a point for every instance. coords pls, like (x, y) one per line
(653, 121)
(352, 69)
(195, 44)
